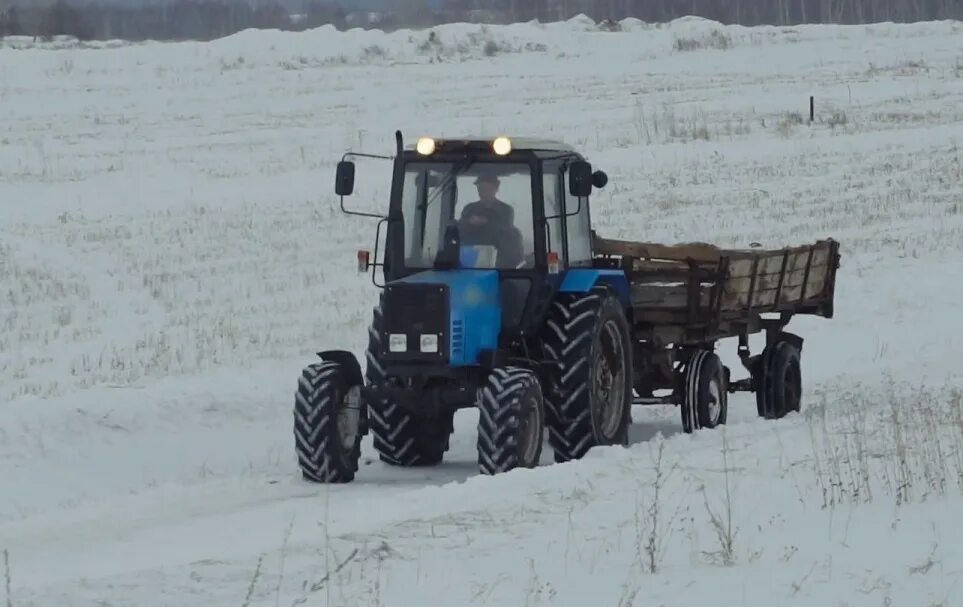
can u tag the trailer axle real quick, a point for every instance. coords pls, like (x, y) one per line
(742, 385)
(654, 400)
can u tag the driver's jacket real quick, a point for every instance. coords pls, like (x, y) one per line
(496, 229)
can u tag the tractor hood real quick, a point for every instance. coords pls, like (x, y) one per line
(446, 317)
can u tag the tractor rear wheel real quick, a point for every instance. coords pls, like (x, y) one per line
(327, 424)
(511, 421)
(589, 401)
(400, 437)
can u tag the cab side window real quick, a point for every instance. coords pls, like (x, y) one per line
(551, 192)
(579, 228)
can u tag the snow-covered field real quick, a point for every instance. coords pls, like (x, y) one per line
(171, 255)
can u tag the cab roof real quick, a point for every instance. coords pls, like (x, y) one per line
(519, 144)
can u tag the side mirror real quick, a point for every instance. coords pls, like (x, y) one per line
(599, 179)
(344, 180)
(580, 179)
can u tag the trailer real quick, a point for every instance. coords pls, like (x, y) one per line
(521, 310)
(685, 298)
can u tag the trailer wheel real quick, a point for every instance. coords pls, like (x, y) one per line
(327, 424)
(401, 438)
(705, 400)
(779, 389)
(511, 421)
(589, 397)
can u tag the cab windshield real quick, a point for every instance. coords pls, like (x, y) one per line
(491, 203)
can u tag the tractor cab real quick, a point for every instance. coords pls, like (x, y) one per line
(502, 219)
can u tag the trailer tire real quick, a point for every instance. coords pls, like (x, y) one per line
(579, 329)
(705, 402)
(400, 437)
(511, 421)
(328, 425)
(779, 380)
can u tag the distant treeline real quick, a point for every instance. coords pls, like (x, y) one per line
(209, 19)
(742, 12)
(178, 20)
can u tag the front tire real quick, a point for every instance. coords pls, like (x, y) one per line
(589, 401)
(327, 424)
(511, 421)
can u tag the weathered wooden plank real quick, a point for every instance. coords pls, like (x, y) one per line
(696, 251)
(743, 254)
(817, 275)
(736, 294)
(773, 264)
(663, 317)
(665, 296)
(659, 265)
(788, 294)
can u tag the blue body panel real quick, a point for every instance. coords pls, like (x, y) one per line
(582, 281)
(476, 314)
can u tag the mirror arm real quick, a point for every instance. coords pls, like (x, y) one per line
(360, 155)
(360, 213)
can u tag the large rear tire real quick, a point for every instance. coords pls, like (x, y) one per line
(400, 437)
(327, 423)
(511, 421)
(589, 400)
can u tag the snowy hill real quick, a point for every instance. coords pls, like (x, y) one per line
(171, 256)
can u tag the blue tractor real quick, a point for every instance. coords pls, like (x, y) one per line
(490, 300)
(497, 294)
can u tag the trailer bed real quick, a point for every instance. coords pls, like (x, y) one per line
(699, 285)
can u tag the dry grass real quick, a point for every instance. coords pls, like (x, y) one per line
(907, 446)
(716, 39)
(721, 518)
(7, 579)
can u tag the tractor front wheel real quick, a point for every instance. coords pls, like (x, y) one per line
(511, 421)
(327, 423)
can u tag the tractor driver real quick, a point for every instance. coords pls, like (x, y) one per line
(489, 221)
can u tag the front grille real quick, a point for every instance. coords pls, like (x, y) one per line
(415, 310)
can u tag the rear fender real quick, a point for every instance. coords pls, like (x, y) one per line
(348, 361)
(792, 338)
(584, 280)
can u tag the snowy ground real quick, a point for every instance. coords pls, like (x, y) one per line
(171, 256)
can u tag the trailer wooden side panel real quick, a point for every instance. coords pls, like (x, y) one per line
(778, 279)
(702, 283)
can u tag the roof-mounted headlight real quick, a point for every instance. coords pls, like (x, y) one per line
(502, 146)
(426, 146)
